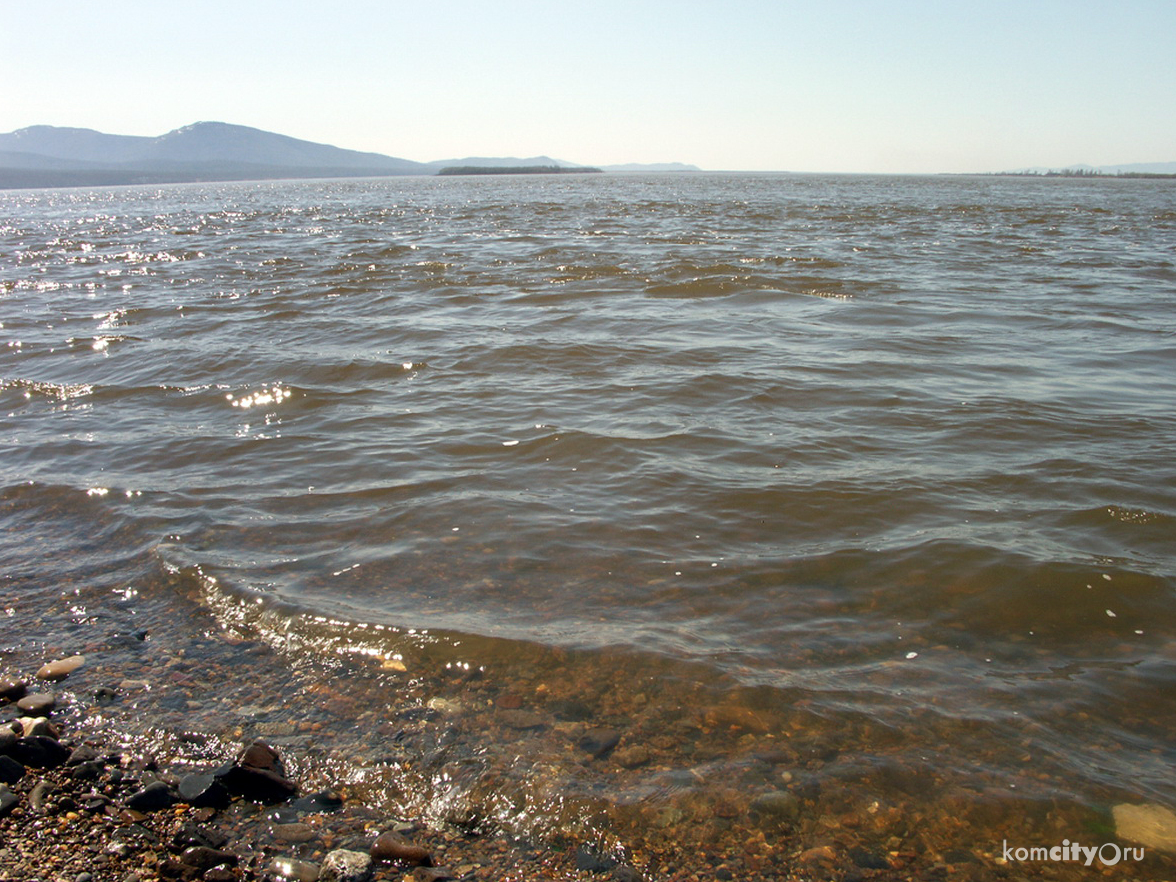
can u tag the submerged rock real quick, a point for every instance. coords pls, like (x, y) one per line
(292, 870)
(599, 742)
(1151, 825)
(343, 865)
(777, 806)
(391, 846)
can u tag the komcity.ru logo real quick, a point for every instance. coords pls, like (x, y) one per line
(1108, 854)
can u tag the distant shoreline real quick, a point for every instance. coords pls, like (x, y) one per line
(1079, 173)
(517, 170)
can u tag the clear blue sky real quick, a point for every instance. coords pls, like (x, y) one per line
(900, 86)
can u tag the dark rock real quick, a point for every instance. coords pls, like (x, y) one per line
(776, 806)
(257, 785)
(599, 742)
(174, 869)
(39, 752)
(39, 704)
(868, 860)
(219, 874)
(523, 719)
(203, 858)
(83, 753)
(105, 693)
(8, 800)
(90, 771)
(95, 802)
(260, 755)
(430, 874)
(190, 835)
(10, 770)
(323, 801)
(593, 860)
(204, 791)
(7, 740)
(955, 856)
(391, 846)
(626, 873)
(12, 690)
(152, 798)
(575, 711)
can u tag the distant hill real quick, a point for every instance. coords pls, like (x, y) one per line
(501, 162)
(47, 156)
(54, 156)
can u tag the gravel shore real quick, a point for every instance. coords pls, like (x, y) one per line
(80, 801)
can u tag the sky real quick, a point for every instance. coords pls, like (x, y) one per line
(893, 86)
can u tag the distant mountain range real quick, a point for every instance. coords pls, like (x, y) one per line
(52, 156)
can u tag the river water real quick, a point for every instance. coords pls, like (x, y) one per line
(856, 488)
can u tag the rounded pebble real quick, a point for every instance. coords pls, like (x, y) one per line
(60, 669)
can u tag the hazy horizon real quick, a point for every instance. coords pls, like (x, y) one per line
(906, 87)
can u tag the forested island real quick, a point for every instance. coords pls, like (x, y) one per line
(518, 170)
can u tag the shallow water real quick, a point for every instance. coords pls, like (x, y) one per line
(856, 486)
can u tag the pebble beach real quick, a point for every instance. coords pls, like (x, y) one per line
(94, 791)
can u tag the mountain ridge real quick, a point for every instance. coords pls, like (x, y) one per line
(49, 156)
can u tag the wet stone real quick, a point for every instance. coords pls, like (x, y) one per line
(10, 770)
(291, 870)
(89, 771)
(83, 753)
(203, 858)
(521, 719)
(151, 798)
(7, 740)
(194, 835)
(1151, 825)
(392, 846)
(257, 785)
(343, 865)
(39, 704)
(591, 859)
(8, 800)
(12, 690)
(323, 801)
(31, 726)
(293, 832)
(778, 806)
(204, 791)
(632, 757)
(39, 752)
(59, 670)
(869, 860)
(599, 742)
(39, 796)
(430, 874)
